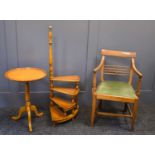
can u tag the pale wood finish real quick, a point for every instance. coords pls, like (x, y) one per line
(26, 75)
(102, 71)
(119, 74)
(72, 78)
(28, 108)
(62, 110)
(131, 75)
(134, 115)
(93, 114)
(67, 91)
(51, 68)
(113, 114)
(115, 98)
(58, 116)
(116, 53)
(66, 105)
(135, 70)
(117, 66)
(100, 65)
(117, 70)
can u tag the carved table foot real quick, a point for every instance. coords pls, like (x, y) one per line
(26, 74)
(35, 110)
(21, 110)
(28, 108)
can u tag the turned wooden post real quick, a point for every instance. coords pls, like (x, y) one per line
(27, 94)
(51, 68)
(131, 74)
(28, 104)
(50, 51)
(76, 98)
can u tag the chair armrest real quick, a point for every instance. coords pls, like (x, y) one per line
(139, 83)
(95, 71)
(135, 69)
(94, 80)
(100, 65)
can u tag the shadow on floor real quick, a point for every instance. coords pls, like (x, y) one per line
(81, 125)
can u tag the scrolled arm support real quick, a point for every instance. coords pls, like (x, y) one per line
(100, 65)
(95, 71)
(135, 69)
(139, 83)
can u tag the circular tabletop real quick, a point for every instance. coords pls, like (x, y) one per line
(25, 74)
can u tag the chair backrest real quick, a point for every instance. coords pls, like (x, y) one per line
(115, 53)
(120, 70)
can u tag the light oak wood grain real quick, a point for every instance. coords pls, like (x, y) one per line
(26, 75)
(62, 110)
(116, 53)
(121, 71)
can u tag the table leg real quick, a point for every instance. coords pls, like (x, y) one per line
(29, 119)
(21, 110)
(27, 108)
(35, 110)
(28, 104)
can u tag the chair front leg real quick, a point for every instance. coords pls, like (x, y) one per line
(134, 113)
(93, 108)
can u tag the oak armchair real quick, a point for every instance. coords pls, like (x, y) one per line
(116, 90)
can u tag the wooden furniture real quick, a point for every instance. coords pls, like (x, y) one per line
(116, 90)
(26, 74)
(62, 110)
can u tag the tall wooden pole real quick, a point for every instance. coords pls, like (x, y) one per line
(51, 70)
(50, 51)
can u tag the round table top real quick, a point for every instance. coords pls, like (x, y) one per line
(25, 74)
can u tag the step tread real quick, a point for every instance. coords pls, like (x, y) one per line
(70, 78)
(68, 91)
(57, 115)
(66, 105)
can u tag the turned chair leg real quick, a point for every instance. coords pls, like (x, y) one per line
(93, 110)
(135, 108)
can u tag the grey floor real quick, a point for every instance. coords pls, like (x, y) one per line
(81, 125)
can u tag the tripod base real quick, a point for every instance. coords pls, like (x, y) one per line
(28, 109)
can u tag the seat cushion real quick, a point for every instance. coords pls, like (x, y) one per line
(116, 88)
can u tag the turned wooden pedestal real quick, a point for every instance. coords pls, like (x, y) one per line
(26, 75)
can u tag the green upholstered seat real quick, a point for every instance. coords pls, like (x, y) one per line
(116, 88)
